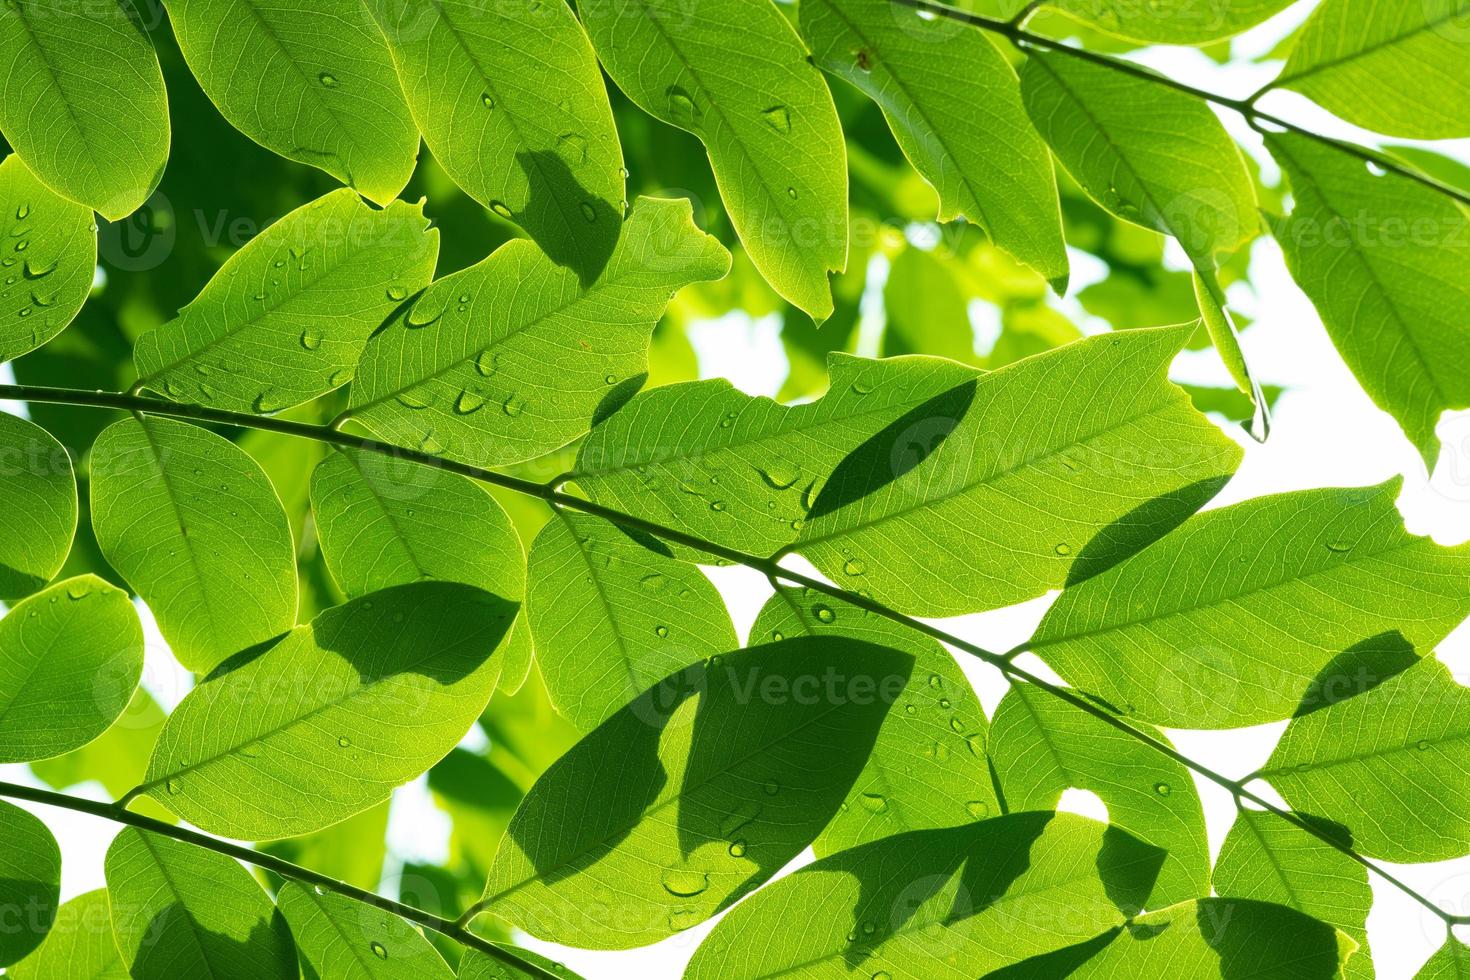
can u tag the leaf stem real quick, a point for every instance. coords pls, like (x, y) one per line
(1257, 119)
(770, 567)
(114, 812)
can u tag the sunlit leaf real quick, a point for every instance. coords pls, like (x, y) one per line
(39, 520)
(341, 937)
(54, 269)
(30, 881)
(78, 947)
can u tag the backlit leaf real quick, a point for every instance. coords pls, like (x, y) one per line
(78, 947)
(342, 938)
(39, 518)
(30, 881)
(45, 283)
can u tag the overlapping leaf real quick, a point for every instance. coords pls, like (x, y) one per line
(928, 768)
(1246, 613)
(30, 881)
(39, 518)
(82, 101)
(1384, 260)
(47, 262)
(329, 720)
(512, 358)
(285, 319)
(612, 614)
(308, 79)
(341, 937)
(78, 947)
(197, 530)
(510, 100)
(694, 794)
(737, 76)
(183, 911)
(1170, 21)
(953, 104)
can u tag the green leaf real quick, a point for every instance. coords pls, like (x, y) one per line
(70, 658)
(55, 267)
(310, 80)
(1221, 327)
(928, 768)
(352, 851)
(382, 686)
(345, 939)
(1450, 962)
(1398, 69)
(1224, 938)
(694, 794)
(197, 530)
(1171, 21)
(285, 319)
(951, 100)
(39, 488)
(1385, 764)
(479, 798)
(941, 904)
(1245, 613)
(1383, 259)
(511, 102)
(1026, 478)
(742, 471)
(475, 965)
(82, 101)
(613, 613)
(512, 357)
(1268, 859)
(1041, 746)
(179, 910)
(1146, 153)
(926, 307)
(30, 882)
(737, 76)
(78, 947)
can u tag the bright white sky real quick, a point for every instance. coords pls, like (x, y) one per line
(1326, 433)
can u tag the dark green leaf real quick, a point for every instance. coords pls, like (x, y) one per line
(78, 947)
(39, 488)
(30, 882)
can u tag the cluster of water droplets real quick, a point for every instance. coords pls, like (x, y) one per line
(20, 269)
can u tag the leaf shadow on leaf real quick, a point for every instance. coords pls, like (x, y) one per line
(1357, 670)
(30, 906)
(1141, 527)
(618, 396)
(17, 584)
(896, 450)
(1058, 963)
(573, 226)
(237, 660)
(173, 929)
(1238, 943)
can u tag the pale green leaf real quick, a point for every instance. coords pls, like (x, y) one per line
(512, 357)
(1042, 746)
(742, 471)
(1268, 859)
(939, 904)
(344, 939)
(926, 307)
(197, 530)
(1450, 962)
(479, 798)
(694, 794)
(79, 946)
(1395, 68)
(39, 518)
(952, 102)
(46, 282)
(1171, 21)
(1245, 613)
(1221, 938)
(179, 910)
(1146, 153)
(928, 768)
(382, 687)
(70, 658)
(475, 965)
(352, 851)
(1221, 327)
(737, 76)
(612, 614)
(30, 882)
(1387, 764)
(82, 100)
(308, 79)
(286, 317)
(1028, 477)
(511, 102)
(1384, 260)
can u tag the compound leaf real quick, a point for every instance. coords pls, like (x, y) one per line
(737, 76)
(179, 910)
(1245, 613)
(384, 686)
(513, 357)
(286, 317)
(46, 282)
(82, 101)
(197, 530)
(694, 794)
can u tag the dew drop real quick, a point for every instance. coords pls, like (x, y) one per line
(824, 613)
(716, 505)
(939, 752)
(397, 293)
(684, 919)
(682, 108)
(328, 79)
(661, 631)
(944, 703)
(977, 746)
(882, 975)
(873, 803)
(778, 117)
(487, 100)
(1338, 547)
(1064, 549)
(35, 270)
(854, 567)
(513, 405)
(935, 681)
(430, 444)
(422, 315)
(777, 635)
(310, 340)
(956, 725)
(572, 147)
(22, 212)
(1163, 789)
(78, 591)
(344, 742)
(791, 193)
(772, 788)
(251, 750)
(737, 848)
(684, 883)
(610, 379)
(589, 213)
(468, 402)
(653, 582)
(486, 363)
(978, 809)
(499, 208)
(1423, 745)
(379, 950)
(173, 786)
(411, 399)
